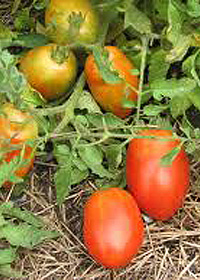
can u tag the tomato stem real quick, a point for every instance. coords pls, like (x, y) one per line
(145, 41)
(70, 104)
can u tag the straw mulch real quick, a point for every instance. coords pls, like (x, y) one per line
(170, 251)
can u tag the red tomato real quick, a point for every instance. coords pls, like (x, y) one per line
(17, 127)
(57, 16)
(159, 190)
(111, 96)
(113, 227)
(45, 73)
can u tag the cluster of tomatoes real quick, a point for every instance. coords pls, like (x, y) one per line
(113, 226)
(52, 69)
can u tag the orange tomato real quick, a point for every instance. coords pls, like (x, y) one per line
(113, 229)
(16, 128)
(111, 96)
(158, 190)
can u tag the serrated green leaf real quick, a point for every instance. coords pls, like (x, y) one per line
(31, 40)
(180, 49)
(107, 72)
(190, 147)
(90, 154)
(2, 220)
(93, 158)
(178, 105)
(190, 65)
(112, 120)
(78, 175)
(62, 154)
(158, 67)
(23, 19)
(193, 8)
(194, 97)
(172, 87)
(161, 9)
(24, 235)
(86, 101)
(168, 159)
(8, 209)
(7, 255)
(175, 20)
(62, 180)
(78, 162)
(154, 110)
(113, 155)
(7, 271)
(136, 18)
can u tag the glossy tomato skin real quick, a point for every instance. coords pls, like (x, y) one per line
(50, 78)
(17, 127)
(57, 21)
(111, 96)
(113, 228)
(158, 190)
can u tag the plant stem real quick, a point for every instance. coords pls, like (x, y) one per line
(71, 104)
(145, 41)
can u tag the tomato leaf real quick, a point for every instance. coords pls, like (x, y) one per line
(8, 209)
(194, 97)
(193, 8)
(25, 235)
(86, 101)
(7, 271)
(62, 154)
(179, 104)
(113, 155)
(7, 255)
(142, 24)
(172, 87)
(154, 110)
(31, 40)
(168, 159)
(62, 179)
(23, 20)
(158, 67)
(190, 65)
(92, 155)
(2, 220)
(180, 41)
(108, 74)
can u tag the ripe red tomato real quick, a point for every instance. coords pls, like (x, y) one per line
(113, 227)
(57, 16)
(111, 96)
(45, 73)
(159, 190)
(17, 127)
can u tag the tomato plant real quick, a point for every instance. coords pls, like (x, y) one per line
(158, 189)
(17, 127)
(113, 227)
(111, 96)
(71, 21)
(49, 69)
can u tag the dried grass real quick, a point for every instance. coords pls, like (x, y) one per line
(171, 249)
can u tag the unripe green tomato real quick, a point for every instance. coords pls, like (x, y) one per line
(57, 17)
(45, 73)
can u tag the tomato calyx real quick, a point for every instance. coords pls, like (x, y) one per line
(59, 54)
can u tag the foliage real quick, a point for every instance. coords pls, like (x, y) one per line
(21, 229)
